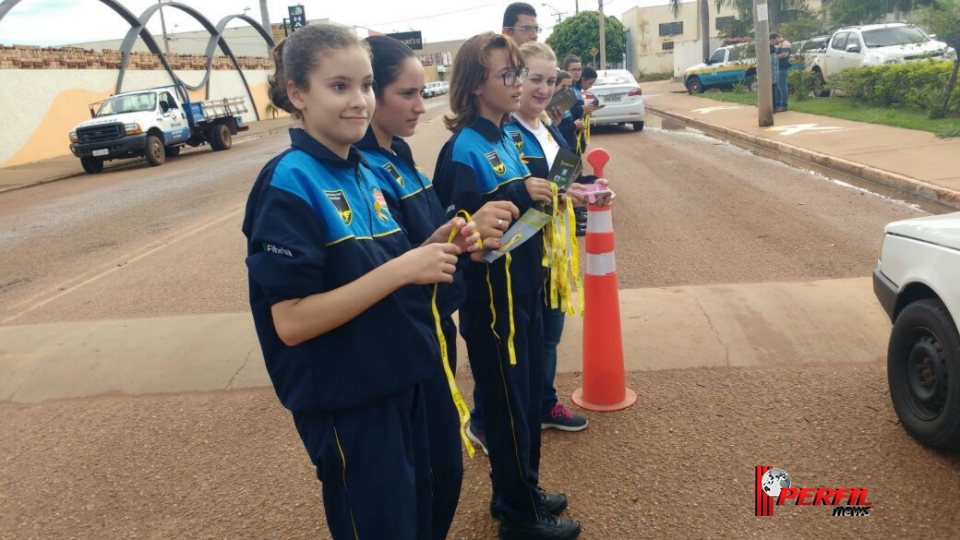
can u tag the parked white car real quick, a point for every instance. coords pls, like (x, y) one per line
(621, 97)
(917, 281)
(876, 45)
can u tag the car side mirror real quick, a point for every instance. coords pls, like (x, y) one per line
(707, 61)
(853, 48)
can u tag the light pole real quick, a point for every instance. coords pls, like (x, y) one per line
(603, 38)
(265, 17)
(163, 25)
(555, 11)
(764, 66)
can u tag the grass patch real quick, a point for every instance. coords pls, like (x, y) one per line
(859, 112)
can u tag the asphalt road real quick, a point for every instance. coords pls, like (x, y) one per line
(146, 242)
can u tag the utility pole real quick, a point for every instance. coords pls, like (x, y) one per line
(163, 25)
(603, 39)
(265, 17)
(705, 26)
(576, 7)
(764, 66)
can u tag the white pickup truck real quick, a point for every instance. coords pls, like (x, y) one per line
(154, 123)
(917, 281)
(876, 45)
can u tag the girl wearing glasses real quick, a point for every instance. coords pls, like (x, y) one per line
(501, 319)
(415, 205)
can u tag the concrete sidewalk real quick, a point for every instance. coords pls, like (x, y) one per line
(66, 166)
(905, 160)
(741, 325)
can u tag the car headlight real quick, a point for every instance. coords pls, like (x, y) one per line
(132, 129)
(73, 137)
(951, 53)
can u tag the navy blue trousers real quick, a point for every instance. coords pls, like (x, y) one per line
(509, 395)
(374, 465)
(446, 453)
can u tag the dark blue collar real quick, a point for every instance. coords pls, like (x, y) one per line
(487, 129)
(300, 140)
(369, 143)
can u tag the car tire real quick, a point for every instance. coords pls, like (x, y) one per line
(923, 372)
(638, 126)
(695, 86)
(154, 151)
(220, 138)
(92, 165)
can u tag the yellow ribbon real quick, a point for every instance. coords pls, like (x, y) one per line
(561, 255)
(462, 410)
(583, 138)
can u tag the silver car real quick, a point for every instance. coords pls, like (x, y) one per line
(619, 94)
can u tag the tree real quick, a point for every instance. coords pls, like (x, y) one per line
(943, 19)
(704, 22)
(581, 33)
(849, 12)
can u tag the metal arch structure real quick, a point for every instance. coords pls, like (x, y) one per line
(216, 38)
(138, 27)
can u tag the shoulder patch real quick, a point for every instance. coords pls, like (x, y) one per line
(340, 202)
(495, 162)
(517, 138)
(380, 204)
(388, 166)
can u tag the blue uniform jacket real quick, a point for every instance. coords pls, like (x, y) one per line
(480, 163)
(533, 155)
(315, 222)
(415, 205)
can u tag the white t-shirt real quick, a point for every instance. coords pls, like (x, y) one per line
(550, 147)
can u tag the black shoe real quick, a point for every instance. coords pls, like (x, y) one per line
(553, 503)
(547, 527)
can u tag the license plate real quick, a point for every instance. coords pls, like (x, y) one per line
(101, 152)
(608, 99)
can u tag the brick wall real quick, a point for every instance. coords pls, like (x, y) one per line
(31, 57)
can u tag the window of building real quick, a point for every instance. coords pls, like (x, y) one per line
(671, 28)
(668, 45)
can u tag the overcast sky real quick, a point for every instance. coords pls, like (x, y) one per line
(59, 22)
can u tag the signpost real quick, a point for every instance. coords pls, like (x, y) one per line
(298, 17)
(412, 39)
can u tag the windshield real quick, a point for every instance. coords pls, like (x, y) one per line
(614, 78)
(897, 35)
(146, 101)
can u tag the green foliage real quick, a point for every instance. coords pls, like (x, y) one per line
(803, 27)
(916, 84)
(851, 12)
(802, 84)
(577, 35)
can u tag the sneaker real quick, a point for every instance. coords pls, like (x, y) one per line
(553, 503)
(477, 437)
(563, 419)
(546, 527)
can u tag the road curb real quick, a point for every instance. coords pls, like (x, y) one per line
(129, 163)
(794, 155)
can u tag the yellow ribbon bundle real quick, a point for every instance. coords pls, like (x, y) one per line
(583, 139)
(561, 255)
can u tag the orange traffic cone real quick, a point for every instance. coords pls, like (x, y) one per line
(604, 378)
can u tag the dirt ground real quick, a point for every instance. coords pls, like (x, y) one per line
(678, 464)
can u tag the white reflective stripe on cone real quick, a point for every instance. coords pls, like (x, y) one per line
(602, 264)
(600, 222)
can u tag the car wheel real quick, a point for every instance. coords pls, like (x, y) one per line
(923, 371)
(154, 151)
(92, 165)
(638, 126)
(695, 86)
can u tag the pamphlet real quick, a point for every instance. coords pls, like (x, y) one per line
(563, 99)
(521, 231)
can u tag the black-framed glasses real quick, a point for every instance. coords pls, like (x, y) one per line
(511, 78)
(526, 29)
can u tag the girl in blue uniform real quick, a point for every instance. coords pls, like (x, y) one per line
(415, 205)
(540, 141)
(501, 319)
(338, 296)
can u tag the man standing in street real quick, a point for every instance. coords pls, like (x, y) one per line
(520, 23)
(783, 55)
